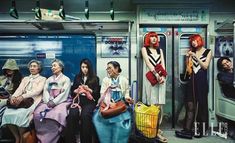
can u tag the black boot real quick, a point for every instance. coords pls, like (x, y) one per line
(184, 134)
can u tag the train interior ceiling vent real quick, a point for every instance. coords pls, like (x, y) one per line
(79, 26)
(225, 26)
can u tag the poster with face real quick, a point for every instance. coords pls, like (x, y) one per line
(114, 46)
(224, 46)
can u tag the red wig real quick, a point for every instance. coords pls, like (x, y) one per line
(147, 39)
(198, 38)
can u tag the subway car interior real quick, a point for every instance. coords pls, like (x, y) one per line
(114, 30)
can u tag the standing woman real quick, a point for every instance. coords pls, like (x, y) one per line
(17, 120)
(197, 91)
(114, 129)
(153, 55)
(10, 80)
(85, 82)
(50, 115)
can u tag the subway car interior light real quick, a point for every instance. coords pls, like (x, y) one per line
(117, 71)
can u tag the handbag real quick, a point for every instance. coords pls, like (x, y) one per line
(118, 108)
(25, 103)
(108, 111)
(160, 70)
(30, 137)
(152, 78)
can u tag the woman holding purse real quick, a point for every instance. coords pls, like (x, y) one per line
(31, 87)
(114, 88)
(85, 92)
(153, 93)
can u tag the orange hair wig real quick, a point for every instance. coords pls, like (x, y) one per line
(147, 39)
(198, 38)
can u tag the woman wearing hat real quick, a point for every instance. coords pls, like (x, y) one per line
(18, 119)
(11, 78)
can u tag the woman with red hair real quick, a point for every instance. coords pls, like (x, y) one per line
(153, 93)
(197, 90)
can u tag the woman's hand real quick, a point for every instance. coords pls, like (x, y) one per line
(19, 99)
(157, 76)
(190, 53)
(129, 100)
(87, 88)
(162, 80)
(16, 100)
(13, 100)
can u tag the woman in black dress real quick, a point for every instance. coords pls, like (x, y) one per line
(197, 90)
(86, 91)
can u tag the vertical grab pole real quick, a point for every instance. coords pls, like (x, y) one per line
(129, 52)
(233, 52)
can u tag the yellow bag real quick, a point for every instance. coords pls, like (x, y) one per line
(146, 119)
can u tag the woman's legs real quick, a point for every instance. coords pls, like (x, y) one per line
(87, 128)
(188, 122)
(202, 118)
(72, 126)
(190, 116)
(160, 132)
(15, 132)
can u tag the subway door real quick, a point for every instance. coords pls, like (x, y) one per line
(181, 46)
(165, 43)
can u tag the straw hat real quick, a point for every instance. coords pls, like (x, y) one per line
(10, 64)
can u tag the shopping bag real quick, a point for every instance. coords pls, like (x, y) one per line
(146, 119)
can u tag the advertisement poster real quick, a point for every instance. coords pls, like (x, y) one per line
(224, 46)
(114, 46)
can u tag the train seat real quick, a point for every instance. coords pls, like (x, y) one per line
(224, 106)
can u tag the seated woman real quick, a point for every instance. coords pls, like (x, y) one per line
(115, 129)
(85, 91)
(226, 76)
(50, 115)
(10, 80)
(31, 87)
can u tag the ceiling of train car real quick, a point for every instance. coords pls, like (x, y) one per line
(69, 5)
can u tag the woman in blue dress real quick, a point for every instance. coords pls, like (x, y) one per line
(114, 129)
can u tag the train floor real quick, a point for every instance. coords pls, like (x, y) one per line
(170, 134)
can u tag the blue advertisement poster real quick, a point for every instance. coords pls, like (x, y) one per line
(68, 48)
